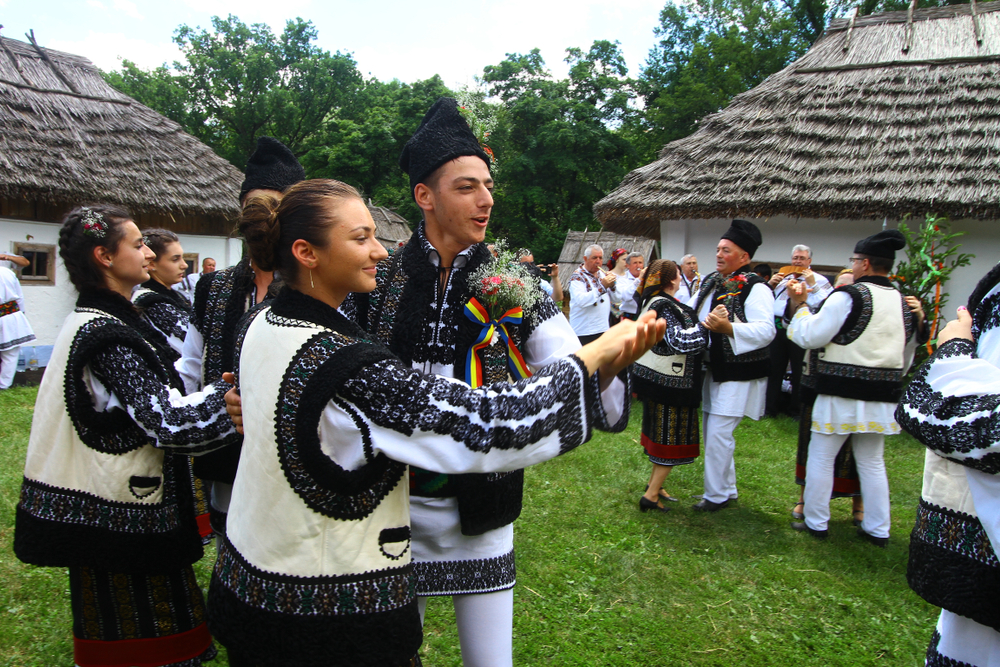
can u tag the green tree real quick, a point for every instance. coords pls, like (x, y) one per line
(246, 82)
(238, 82)
(932, 255)
(557, 143)
(159, 89)
(709, 51)
(361, 145)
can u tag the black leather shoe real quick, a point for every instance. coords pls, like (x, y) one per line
(708, 506)
(802, 527)
(647, 504)
(881, 542)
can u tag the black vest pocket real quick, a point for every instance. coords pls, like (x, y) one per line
(394, 542)
(143, 487)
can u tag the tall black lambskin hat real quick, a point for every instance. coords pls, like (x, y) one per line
(745, 235)
(443, 135)
(271, 167)
(883, 244)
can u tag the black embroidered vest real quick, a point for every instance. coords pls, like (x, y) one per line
(401, 314)
(727, 366)
(683, 389)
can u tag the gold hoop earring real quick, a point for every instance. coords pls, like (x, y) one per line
(311, 285)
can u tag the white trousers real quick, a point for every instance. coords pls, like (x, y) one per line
(966, 641)
(720, 466)
(8, 366)
(485, 627)
(868, 449)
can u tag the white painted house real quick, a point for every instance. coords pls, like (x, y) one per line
(887, 115)
(68, 138)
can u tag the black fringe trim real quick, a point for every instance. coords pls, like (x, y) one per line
(946, 578)
(160, 293)
(273, 639)
(51, 543)
(113, 431)
(936, 659)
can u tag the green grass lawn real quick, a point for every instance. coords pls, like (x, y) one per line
(599, 583)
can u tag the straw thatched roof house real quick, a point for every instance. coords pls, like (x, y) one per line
(66, 138)
(887, 115)
(391, 228)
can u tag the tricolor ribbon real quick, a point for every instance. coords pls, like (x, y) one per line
(476, 312)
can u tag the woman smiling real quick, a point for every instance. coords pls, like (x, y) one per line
(319, 518)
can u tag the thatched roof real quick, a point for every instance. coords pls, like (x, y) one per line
(576, 242)
(390, 227)
(68, 137)
(886, 114)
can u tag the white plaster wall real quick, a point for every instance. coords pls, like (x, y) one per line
(832, 242)
(48, 305)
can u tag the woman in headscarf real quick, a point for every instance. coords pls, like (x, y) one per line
(668, 380)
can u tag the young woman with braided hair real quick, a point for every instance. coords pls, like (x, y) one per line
(104, 490)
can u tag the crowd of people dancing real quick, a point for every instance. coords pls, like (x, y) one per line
(370, 455)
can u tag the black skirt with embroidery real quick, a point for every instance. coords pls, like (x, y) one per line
(122, 619)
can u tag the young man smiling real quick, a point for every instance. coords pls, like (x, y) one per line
(462, 532)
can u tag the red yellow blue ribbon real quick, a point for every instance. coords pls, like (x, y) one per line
(476, 312)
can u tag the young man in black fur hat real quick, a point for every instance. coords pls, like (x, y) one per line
(220, 301)
(462, 533)
(867, 333)
(736, 305)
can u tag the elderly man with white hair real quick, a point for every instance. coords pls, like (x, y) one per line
(629, 283)
(690, 279)
(783, 350)
(591, 291)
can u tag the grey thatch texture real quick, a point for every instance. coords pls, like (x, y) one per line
(576, 242)
(68, 137)
(390, 227)
(885, 115)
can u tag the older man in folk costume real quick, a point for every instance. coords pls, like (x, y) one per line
(782, 351)
(462, 524)
(737, 307)
(591, 291)
(690, 279)
(951, 406)
(862, 340)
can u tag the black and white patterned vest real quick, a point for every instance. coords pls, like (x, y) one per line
(404, 314)
(726, 365)
(96, 491)
(338, 587)
(866, 359)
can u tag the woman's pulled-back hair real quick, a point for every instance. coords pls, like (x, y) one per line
(158, 239)
(83, 229)
(271, 225)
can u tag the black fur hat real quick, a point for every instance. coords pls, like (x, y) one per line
(883, 244)
(271, 167)
(443, 135)
(745, 235)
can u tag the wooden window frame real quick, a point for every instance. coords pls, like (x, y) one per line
(49, 278)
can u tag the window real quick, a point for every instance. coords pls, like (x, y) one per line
(192, 261)
(42, 267)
